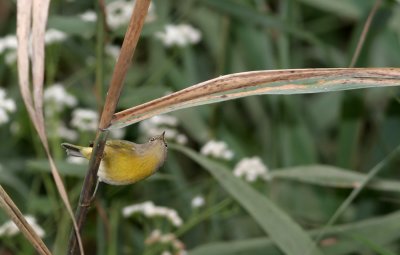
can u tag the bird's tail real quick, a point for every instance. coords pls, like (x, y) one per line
(72, 150)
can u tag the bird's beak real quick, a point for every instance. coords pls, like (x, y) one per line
(163, 136)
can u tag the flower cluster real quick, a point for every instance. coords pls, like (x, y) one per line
(10, 229)
(160, 123)
(170, 241)
(179, 35)
(7, 105)
(251, 169)
(217, 149)
(84, 119)
(58, 98)
(150, 210)
(119, 13)
(9, 43)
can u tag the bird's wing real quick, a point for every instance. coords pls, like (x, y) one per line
(121, 145)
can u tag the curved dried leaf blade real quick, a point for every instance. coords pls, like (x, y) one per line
(292, 81)
(37, 11)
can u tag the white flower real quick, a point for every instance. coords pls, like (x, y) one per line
(217, 149)
(63, 132)
(10, 229)
(85, 119)
(7, 105)
(251, 169)
(150, 210)
(160, 123)
(179, 35)
(198, 201)
(112, 51)
(59, 98)
(9, 42)
(54, 36)
(119, 13)
(89, 16)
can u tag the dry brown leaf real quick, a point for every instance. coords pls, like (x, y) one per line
(232, 86)
(16, 216)
(34, 101)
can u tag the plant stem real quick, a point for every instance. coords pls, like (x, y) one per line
(113, 94)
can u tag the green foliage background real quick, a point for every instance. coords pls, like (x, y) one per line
(352, 130)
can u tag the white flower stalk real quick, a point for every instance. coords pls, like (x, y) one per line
(175, 245)
(179, 35)
(7, 105)
(58, 98)
(160, 123)
(85, 119)
(119, 13)
(88, 16)
(198, 201)
(251, 169)
(150, 210)
(217, 149)
(10, 229)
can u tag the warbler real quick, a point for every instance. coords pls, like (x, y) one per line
(125, 162)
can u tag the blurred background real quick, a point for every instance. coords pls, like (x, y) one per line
(183, 208)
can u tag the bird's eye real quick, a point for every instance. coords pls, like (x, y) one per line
(166, 146)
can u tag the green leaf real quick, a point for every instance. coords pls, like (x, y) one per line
(379, 230)
(286, 233)
(343, 8)
(333, 177)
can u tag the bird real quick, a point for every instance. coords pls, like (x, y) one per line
(125, 162)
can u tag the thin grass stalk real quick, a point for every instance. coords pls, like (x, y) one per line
(124, 60)
(356, 191)
(16, 216)
(364, 33)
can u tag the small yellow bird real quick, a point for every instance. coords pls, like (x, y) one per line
(125, 162)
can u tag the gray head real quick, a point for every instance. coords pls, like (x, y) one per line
(159, 138)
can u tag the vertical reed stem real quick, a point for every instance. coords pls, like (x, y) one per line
(113, 94)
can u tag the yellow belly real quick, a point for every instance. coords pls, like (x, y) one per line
(123, 164)
(126, 169)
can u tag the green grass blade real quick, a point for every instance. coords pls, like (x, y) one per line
(379, 230)
(330, 176)
(286, 233)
